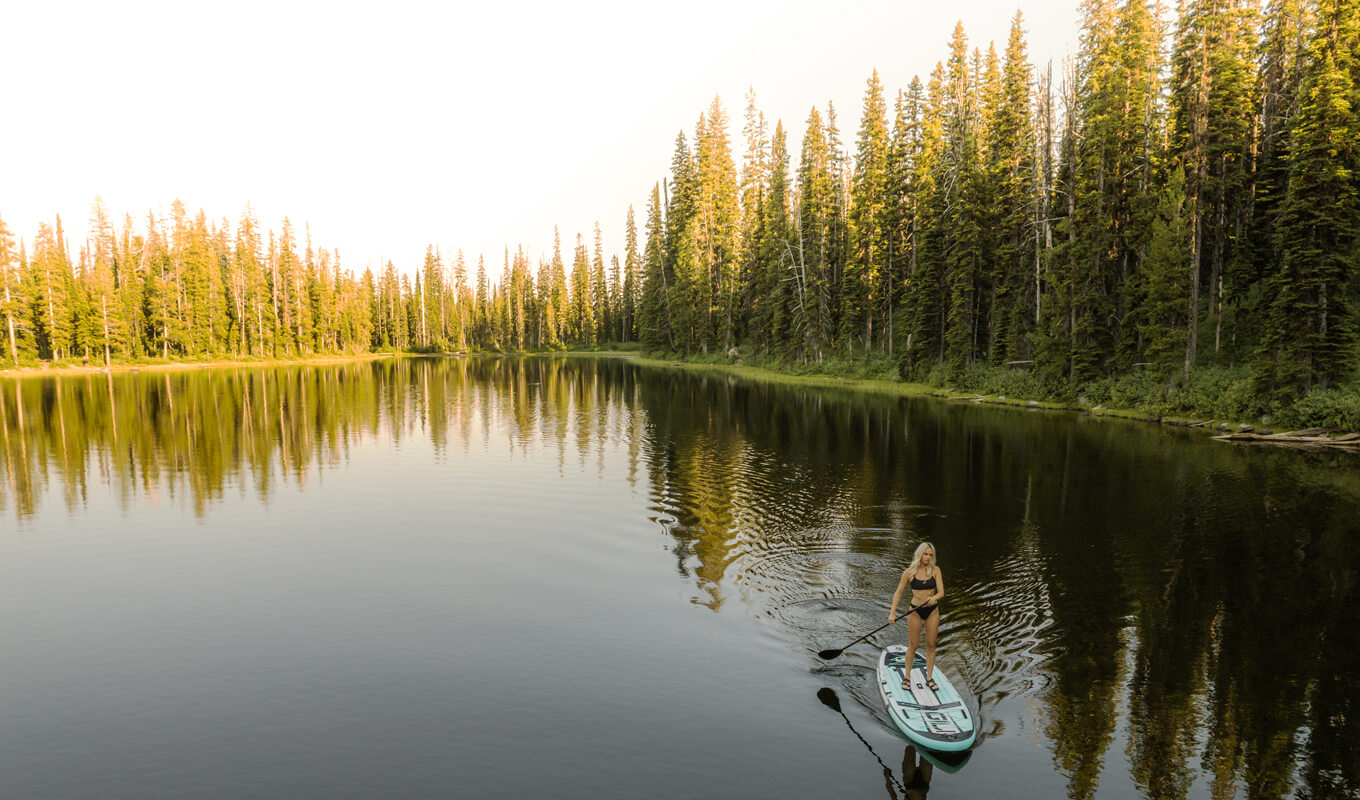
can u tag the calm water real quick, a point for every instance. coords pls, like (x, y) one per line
(583, 579)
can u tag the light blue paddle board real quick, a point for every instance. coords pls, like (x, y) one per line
(935, 720)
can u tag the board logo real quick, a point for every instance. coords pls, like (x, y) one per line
(940, 722)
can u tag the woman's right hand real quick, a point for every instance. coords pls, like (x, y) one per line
(892, 617)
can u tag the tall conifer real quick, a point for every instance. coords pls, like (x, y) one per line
(1309, 340)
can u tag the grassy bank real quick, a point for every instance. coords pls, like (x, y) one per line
(1212, 396)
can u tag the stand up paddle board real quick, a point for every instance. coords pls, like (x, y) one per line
(935, 720)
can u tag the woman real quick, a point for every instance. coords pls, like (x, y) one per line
(927, 587)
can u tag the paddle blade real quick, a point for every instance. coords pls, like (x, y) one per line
(827, 655)
(829, 699)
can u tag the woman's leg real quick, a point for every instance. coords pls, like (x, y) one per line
(932, 630)
(913, 636)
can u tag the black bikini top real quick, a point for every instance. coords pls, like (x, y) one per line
(928, 583)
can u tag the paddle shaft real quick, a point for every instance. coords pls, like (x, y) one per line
(830, 654)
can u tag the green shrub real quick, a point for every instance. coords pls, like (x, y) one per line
(1143, 389)
(939, 375)
(1334, 408)
(1218, 392)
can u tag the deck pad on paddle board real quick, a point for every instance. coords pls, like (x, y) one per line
(938, 720)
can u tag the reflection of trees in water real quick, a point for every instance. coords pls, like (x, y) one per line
(1203, 593)
(1159, 557)
(752, 472)
(1087, 604)
(194, 433)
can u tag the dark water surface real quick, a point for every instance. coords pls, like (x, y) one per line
(569, 578)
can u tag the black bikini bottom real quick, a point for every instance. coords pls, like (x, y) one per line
(926, 611)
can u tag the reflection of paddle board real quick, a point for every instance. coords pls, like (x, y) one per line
(946, 762)
(935, 720)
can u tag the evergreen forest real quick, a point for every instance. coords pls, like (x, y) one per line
(1177, 203)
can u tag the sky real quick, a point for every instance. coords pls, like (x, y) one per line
(385, 128)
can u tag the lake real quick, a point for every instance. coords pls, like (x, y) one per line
(586, 578)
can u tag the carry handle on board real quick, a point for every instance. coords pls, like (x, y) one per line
(827, 655)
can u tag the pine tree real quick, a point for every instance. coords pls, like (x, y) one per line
(1282, 56)
(482, 315)
(130, 270)
(195, 296)
(407, 311)
(1235, 100)
(1044, 201)
(436, 299)
(521, 299)
(862, 301)
(818, 228)
(102, 284)
(304, 289)
(1083, 320)
(1212, 119)
(1164, 320)
(785, 325)
(218, 299)
(50, 296)
(599, 291)
(84, 319)
(1011, 151)
(581, 313)
(247, 286)
(901, 206)
(547, 317)
(372, 301)
(1142, 153)
(557, 296)
(12, 301)
(462, 320)
(656, 328)
(961, 237)
(632, 281)
(1309, 340)
(685, 279)
(838, 221)
(923, 291)
(325, 287)
(616, 332)
(752, 188)
(717, 216)
(295, 322)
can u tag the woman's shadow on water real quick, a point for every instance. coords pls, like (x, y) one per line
(918, 768)
(916, 774)
(918, 765)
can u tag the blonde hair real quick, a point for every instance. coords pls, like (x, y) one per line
(916, 559)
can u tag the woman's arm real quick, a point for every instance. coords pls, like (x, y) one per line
(939, 587)
(897, 598)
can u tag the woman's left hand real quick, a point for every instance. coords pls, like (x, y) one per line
(932, 601)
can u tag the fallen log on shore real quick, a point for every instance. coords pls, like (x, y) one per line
(1308, 437)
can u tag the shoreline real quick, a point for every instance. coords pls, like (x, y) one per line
(61, 370)
(1235, 431)
(1222, 429)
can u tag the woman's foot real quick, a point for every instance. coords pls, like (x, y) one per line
(906, 683)
(934, 687)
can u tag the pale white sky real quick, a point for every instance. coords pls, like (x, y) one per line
(390, 126)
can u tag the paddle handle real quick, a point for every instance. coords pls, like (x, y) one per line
(904, 614)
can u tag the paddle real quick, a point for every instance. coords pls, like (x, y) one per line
(827, 655)
(829, 699)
